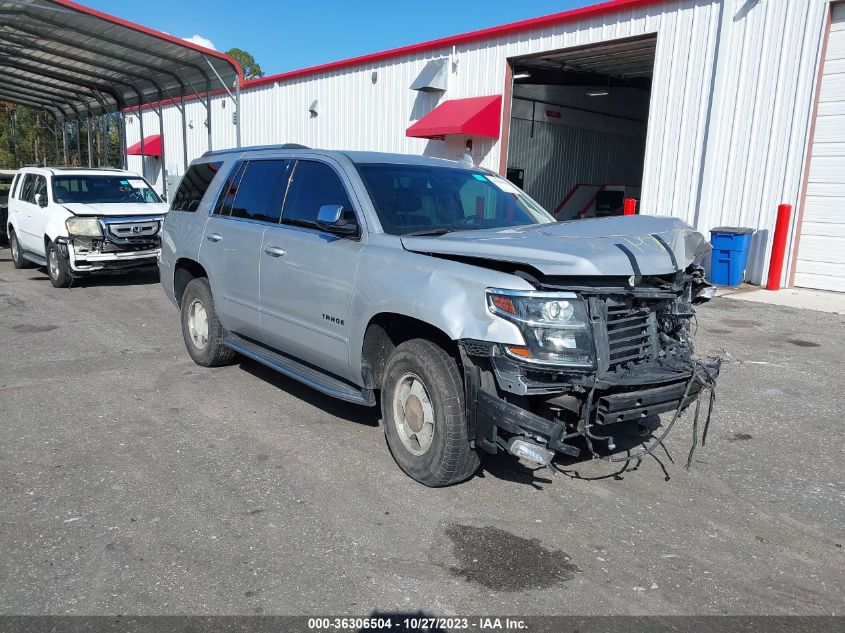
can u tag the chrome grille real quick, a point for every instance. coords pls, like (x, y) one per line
(628, 334)
(133, 230)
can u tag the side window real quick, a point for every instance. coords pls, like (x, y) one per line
(261, 191)
(26, 194)
(39, 188)
(194, 184)
(313, 185)
(227, 196)
(16, 183)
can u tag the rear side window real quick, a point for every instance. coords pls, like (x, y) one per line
(261, 191)
(26, 192)
(194, 184)
(313, 185)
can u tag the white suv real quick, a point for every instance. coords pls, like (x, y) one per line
(76, 221)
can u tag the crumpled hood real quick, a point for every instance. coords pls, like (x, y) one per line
(116, 208)
(622, 245)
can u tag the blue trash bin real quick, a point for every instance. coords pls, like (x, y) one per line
(729, 257)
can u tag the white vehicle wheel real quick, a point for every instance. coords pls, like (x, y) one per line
(413, 414)
(198, 324)
(201, 329)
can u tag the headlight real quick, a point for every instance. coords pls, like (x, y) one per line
(555, 326)
(84, 227)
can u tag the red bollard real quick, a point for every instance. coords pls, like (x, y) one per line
(779, 246)
(629, 206)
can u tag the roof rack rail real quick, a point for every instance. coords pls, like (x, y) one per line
(230, 150)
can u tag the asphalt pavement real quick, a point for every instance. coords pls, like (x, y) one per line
(133, 481)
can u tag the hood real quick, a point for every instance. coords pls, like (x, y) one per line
(116, 208)
(623, 245)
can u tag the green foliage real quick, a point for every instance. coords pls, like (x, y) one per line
(252, 70)
(29, 137)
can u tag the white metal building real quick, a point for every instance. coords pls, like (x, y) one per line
(714, 111)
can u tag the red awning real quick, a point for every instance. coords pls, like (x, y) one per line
(477, 116)
(152, 146)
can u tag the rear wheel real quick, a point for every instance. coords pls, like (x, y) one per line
(422, 401)
(58, 268)
(201, 329)
(17, 253)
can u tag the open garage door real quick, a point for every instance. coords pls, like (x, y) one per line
(578, 126)
(821, 248)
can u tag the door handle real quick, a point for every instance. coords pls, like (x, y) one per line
(274, 251)
(214, 237)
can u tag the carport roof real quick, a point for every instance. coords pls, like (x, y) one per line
(74, 61)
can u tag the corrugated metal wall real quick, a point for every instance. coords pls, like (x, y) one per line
(746, 108)
(558, 157)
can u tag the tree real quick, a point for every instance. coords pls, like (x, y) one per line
(251, 68)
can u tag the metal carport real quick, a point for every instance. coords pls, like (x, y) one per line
(76, 63)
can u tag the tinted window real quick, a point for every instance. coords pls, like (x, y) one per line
(230, 190)
(313, 185)
(261, 190)
(194, 184)
(411, 198)
(26, 194)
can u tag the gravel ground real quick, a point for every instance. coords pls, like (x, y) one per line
(136, 482)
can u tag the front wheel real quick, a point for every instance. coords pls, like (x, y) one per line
(422, 400)
(58, 268)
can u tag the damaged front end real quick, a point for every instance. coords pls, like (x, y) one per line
(112, 243)
(600, 352)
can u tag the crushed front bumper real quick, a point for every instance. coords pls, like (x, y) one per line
(126, 243)
(495, 421)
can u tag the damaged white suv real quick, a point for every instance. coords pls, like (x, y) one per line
(79, 221)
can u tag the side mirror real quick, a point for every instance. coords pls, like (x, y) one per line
(330, 218)
(41, 200)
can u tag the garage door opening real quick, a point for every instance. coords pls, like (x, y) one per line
(578, 126)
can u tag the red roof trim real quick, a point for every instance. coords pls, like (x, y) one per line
(572, 15)
(143, 29)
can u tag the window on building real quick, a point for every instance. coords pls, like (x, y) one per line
(194, 184)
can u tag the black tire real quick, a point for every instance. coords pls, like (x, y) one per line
(58, 268)
(17, 253)
(214, 353)
(449, 458)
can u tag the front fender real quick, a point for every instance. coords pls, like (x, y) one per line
(54, 225)
(446, 294)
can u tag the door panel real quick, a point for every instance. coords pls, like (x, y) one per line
(306, 294)
(307, 274)
(229, 253)
(28, 215)
(250, 202)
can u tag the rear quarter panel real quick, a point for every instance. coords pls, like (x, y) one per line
(183, 231)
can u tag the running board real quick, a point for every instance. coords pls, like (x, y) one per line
(35, 259)
(309, 376)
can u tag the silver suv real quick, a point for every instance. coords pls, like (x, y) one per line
(442, 291)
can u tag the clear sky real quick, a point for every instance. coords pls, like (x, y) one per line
(286, 35)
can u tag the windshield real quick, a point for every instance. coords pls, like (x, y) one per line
(102, 189)
(433, 200)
